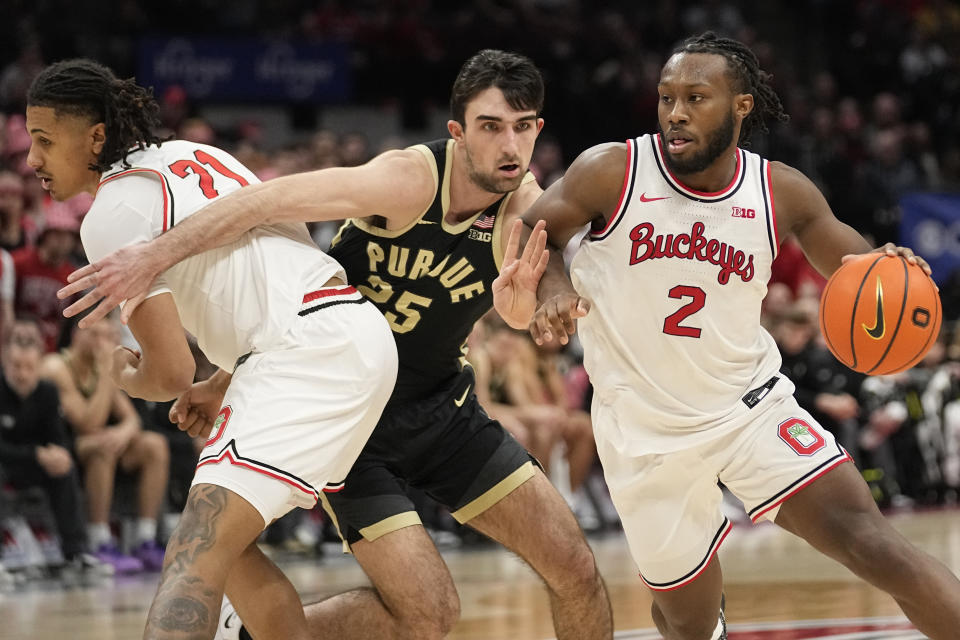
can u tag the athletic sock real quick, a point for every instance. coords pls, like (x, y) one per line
(98, 534)
(146, 530)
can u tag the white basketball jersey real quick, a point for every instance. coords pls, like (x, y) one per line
(237, 298)
(677, 278)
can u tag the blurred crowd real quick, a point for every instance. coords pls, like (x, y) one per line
(873, 90)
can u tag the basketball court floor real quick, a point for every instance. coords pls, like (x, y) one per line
(776, 588)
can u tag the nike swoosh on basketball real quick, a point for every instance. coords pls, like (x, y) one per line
(463, 398)
(644, 198)
(876, 331)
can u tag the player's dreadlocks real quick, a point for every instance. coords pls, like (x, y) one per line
(748, 76)
(85, 88)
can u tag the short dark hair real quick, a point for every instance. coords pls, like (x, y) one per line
(24, 332)
(514, 74)
(84, 88)
(748, 77)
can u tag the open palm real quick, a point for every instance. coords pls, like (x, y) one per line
(515, 289)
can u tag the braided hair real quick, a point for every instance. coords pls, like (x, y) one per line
(748, 77)
(84, 88)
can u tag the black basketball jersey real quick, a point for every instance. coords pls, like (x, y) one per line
(431, 279)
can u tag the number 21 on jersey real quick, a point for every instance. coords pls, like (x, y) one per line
(185, 167)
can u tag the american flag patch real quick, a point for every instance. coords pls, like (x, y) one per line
(484, 222)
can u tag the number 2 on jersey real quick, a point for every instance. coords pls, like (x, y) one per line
(671, 324)
(183, 168)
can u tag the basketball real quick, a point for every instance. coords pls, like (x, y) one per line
(880, 314)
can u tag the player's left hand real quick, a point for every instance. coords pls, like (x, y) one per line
(893, 250)
(515, 289)
(123, 357)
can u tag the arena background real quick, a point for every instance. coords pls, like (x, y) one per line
(873, 92)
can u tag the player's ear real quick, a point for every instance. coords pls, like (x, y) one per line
(455, 129)
(743, 104)
(98, 137)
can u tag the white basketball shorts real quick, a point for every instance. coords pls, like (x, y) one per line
(670, 503)
(294, 420)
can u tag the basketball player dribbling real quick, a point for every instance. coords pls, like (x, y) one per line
(306, 364)
(667, 288)
(432, 239)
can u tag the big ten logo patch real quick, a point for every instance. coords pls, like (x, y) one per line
(740, 212)
(220, 425)
(801, 436)
(482, 236)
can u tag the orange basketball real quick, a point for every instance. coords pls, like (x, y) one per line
(880, 314)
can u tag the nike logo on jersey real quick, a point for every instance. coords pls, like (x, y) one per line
(463, 398)
(644, 198)
(876, 331)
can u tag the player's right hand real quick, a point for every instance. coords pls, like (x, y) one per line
(197, 408)
(557, 318)
(515, 289)
(125, 274)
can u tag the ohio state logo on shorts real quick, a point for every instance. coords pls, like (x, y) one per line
(219, 425)
(801, 437)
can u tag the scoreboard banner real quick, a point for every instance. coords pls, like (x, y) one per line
(930, 225)
(246, 69)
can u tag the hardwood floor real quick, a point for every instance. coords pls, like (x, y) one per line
(776, 587)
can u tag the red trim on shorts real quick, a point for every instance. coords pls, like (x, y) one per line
(337, 488)
(621, 205)
(163, 185)
(226, 412)
(228, 454)
(846, 458)
(326, 293)
(688, 580)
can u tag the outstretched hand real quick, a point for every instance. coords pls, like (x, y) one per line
(125, 274)
(557, 318)
(515, 289)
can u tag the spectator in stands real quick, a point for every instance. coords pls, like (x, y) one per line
(12, 209)
(43, 269)
(15, 78)
(8, 280)
(108, 434)
(537, 399)
(34, 445)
